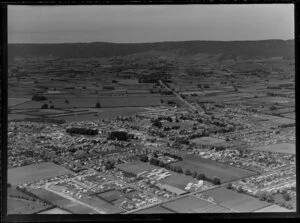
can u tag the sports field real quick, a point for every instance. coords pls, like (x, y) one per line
(190, 204)
(235, 201)
(178, 180)
(136, 167)
(212, 169)
(35, 172)
(287, 148)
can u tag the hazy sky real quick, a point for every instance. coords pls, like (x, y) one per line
(129, 23)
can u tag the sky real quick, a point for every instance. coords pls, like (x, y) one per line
(145, 23)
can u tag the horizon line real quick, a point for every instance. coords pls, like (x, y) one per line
(157, 41)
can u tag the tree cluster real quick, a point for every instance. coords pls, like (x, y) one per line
(82, 131)
(118, 135)
(38, 98)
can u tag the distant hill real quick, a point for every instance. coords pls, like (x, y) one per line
(245, 49)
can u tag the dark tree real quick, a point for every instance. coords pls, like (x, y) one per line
(52, 107)
(119, 135)
(201, 176)
(286, 196)
(38, 98)
(229, 186)
(144, 158)
(187, 172)
(194, 174)
(157, 123)
(216, 181)
(44, 106)
(98, 105)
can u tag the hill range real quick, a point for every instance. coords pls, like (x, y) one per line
(228, 49)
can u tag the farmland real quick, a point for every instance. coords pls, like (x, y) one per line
(287, 148)
(190, 204)
(235, 201)
(212, 169)
(207, 140)
(135, 167)
(272, 208)
(20, 203)
(55, 211)
(155, 210)
(152, 132)
(34, 172)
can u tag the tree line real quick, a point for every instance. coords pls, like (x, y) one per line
(82, 131)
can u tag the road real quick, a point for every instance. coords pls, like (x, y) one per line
(72, 199)
(192, 107)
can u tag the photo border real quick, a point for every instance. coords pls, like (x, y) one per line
(132, 217)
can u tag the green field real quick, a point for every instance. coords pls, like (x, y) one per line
(35, 172)
(207, 140)
(287, 148)
(16, 101)
(235, 201)
(136, 167)
(51, 197)
(212, 169)
(154, 210)
(178, 180)
(190, 204)
(20, 203)
(273, 208)
(55, 211)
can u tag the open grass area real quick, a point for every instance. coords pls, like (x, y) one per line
(273, 208)
(287, 148)
(16, 101)
(207, 140)
(190, 204)
(51, 197)
(35, 172)
(212, 169)
(55, 211)
(21, 203)
(235, 201)
(136, 167)
(154, 210)
(178, 180)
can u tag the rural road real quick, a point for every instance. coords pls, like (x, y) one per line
(72, 199)
(179, 97)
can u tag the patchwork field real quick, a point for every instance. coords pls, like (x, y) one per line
(178, 180)
(235, 201)
(190, 204)
(16, 101)
(55, 211)
(212, 169)
(136, 167)
(207, 140)
(20, 203)
(273, 208)
(154, 210)
(287, 148)
(35, 172)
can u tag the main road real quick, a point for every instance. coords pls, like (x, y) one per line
(192, 107)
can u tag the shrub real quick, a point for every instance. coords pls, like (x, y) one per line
(44, 106)
(98, 105)
(38, 98)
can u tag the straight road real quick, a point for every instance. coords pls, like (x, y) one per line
(192, 107)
